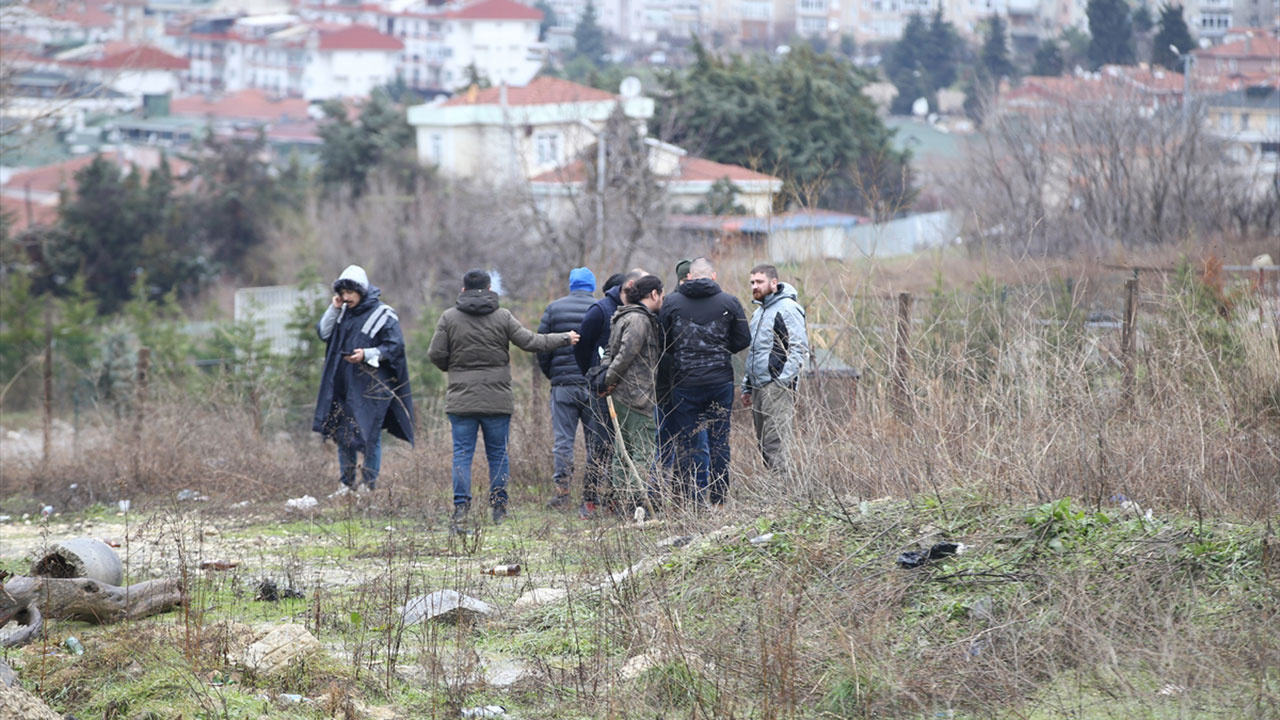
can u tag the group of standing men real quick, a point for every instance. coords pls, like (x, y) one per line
(668, 375)
(647, 374)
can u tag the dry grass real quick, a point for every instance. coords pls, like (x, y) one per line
(1014, 404)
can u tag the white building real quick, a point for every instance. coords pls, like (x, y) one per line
(686, 182)
(442, 43)
(350, 62)
(514, 133)
(59, 23)
(283, 56)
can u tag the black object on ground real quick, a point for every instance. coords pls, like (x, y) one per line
(917, 558)
(268, 591)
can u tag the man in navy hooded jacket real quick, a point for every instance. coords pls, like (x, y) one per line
(364, 387)
(570, 404)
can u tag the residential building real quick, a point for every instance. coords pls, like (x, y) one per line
(132, 70)
(1252, 52)
(686, 183)
(1263, 14)
(1249, 119)
(60, 23)
(284, 56)
(1209, 19)
(514, 133)
(444, 44)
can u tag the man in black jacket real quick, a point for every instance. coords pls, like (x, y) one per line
(704, 327)
(594, 334)
(570, 404)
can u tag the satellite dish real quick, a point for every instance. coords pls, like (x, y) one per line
(920, 107)
(630, 87)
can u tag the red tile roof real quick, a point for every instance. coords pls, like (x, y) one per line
(244, 105)
(141, 58)
(495, 10)
(1258, 44)
(17, 210)
(541, 90)
(358, 37)
(53, 178)
(49, 178)
(84, 13)
(691, 169)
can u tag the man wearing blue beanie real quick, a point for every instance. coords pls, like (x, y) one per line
(570, 402)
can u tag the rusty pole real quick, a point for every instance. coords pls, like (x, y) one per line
(902, 356)
(1128, 339)
(144, 366)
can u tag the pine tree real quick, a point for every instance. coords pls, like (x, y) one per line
(905, 66)
(1142, 20)
(1048, 59)
(588, 37)
(1112, 33)
(549, 18)
(995, 51)
(938, 56)
(1173, 33)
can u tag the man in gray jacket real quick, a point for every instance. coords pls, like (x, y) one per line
(779, 348)
(472, 343)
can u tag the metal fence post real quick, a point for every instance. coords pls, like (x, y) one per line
(144, 367)
(902, 357)
(1128, 339)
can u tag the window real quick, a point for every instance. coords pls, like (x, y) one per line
(1273, 125)
(547, 146)
(1270, 150)
(1244, 121)
(813, 5)
(437, 148)
(1224, 122)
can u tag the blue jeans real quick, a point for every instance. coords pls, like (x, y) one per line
(695, 411)
(372, 461)
(495, 429)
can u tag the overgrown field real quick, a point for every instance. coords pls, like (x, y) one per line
(1118, 513)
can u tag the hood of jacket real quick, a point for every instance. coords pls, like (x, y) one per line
(372, 295)
(582, 278)
(631, 308)
(478, 302)
(353, 278)
(700, 288)
(784, 292)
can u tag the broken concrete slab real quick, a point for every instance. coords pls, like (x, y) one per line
(277, 648)
(539, 596)
(447, 605)
(18, 703)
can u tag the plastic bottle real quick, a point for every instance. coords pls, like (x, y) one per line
(503, 570)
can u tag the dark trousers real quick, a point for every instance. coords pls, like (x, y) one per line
(695, 410)
(598, 433)
(570, 407)
(666, 443)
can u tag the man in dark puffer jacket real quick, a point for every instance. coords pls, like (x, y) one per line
(704, 327)
(570, 404)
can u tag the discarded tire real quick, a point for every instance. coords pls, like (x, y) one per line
(81, 558)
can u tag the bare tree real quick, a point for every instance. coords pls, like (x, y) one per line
(1113, 171)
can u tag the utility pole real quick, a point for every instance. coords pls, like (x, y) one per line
(600, 169)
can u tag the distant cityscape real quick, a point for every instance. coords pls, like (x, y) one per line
(164, 72)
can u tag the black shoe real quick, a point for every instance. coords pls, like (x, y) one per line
(460, 512)
(560, 500)
(499, 512)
